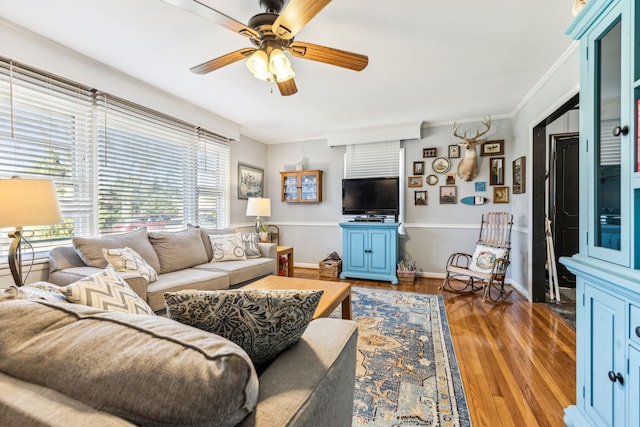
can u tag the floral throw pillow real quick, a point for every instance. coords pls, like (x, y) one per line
(227, 247)
(484, 258)
(128, 260)
(108, 291)
(262, 322)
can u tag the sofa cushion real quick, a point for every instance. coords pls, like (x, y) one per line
(227, 247)
(146, 369)
(26, 404)
(205, 232)
(90, 248)
(251, 247)
(178, 250)
(128, 260)
(263, 323)
(108, 291)
(242, 271)
(189, 278)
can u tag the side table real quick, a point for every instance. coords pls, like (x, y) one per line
(288, 251)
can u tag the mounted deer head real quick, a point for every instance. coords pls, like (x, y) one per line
(468, 166)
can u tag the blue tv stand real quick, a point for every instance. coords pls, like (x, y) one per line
(370, 250)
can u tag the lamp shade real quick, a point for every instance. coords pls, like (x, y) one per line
(28, 202)
(259, 206)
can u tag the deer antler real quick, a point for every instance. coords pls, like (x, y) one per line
(486, 121)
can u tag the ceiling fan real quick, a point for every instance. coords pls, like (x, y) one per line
(272, 33)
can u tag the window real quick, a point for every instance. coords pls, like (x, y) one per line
(46, 132)
(116, 165)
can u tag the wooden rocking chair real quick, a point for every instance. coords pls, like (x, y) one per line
(486, 269)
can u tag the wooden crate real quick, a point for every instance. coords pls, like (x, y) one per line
(330, 269)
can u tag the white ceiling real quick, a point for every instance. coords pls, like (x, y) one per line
(431, 61)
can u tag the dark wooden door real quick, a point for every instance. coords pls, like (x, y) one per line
(565, 204)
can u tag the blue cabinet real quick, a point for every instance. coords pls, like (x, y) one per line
(608, 265)
(370, 251)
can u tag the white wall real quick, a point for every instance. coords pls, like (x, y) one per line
(560, 85)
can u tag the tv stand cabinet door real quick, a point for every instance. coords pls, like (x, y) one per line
(355, 253)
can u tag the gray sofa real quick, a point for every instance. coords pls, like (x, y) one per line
(82, 369)
(182, 259)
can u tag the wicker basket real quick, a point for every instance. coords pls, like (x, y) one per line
(330, 269)
(406, 277)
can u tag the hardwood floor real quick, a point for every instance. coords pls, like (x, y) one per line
(517, 359)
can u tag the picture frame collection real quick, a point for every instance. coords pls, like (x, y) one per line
(448, 192)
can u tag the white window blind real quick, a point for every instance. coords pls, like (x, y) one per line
(372, 159)
(156, 171)
(46, 132)
(212, 180)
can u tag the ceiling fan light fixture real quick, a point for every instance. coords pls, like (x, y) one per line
(258, 64)
(280, 66)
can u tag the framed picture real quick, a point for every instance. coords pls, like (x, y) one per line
(500, 194)
(420, 198)
(448, 194)
(418, 168)
(454, 151)
(496, 171)
(250, 181)
(451, 179)
(414, 181)
(431, 179)
(492, 148)
(519, 177)
(429, 152)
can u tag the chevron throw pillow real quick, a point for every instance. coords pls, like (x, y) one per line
(128, 260)
(108, 291)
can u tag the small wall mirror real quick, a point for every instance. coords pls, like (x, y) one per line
(432, 180)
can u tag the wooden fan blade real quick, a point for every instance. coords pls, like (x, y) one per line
(295, 15)
(328, 55)
(287, 87)
(200, 9)
(222, 61)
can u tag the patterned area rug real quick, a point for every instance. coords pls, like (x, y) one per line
(407, 373)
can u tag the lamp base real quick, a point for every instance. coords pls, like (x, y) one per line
(15, 256)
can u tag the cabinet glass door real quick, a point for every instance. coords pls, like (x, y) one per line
(608, 212)
(290, 189)
(309, 190)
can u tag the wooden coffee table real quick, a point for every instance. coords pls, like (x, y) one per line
(334, 292)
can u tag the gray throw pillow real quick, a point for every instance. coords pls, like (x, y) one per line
(90, 248)
(251, 247)
(262, 322)
(146, 369)
(178, 250)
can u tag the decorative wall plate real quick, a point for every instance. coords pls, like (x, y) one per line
(441, 165)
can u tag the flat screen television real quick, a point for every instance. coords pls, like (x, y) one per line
(371, 196)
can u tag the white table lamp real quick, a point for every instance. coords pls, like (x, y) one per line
(259, 207)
